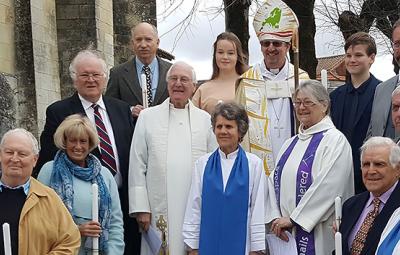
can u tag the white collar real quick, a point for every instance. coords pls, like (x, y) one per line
(87, 104)
(324, 124)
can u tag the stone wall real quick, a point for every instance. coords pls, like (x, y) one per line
(45, 55)
(128, 13)
(105, 31)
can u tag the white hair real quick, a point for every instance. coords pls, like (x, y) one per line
(396, 91)
(183, 64)
(86, 54)
(378, 141)
(35, 146)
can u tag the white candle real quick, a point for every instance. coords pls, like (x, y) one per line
(338, 243)
(338, 211)
(95, 215)
(144, 90)
(6, 239)
(324, 78)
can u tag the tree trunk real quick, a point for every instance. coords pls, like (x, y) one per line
(237, 21)
(305, 13)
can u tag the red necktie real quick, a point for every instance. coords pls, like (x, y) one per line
(106, 150)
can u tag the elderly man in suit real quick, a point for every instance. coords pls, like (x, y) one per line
(125, 82)
(381, 121)
(365, 215)
(113, 121)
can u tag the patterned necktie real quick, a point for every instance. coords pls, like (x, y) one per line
(146, 70)
(107, 153)
(359, 241)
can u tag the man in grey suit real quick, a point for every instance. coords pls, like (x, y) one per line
(381, 116)
(125, 83)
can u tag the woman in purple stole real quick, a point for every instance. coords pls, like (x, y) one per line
(314, 167)
(225, 209)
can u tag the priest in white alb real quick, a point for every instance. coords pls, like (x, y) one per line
(266, 88)
(168, 139)
(313, 168)
(225, 210)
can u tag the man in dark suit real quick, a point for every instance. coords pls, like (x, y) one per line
(89, 74)
(351, 103)
(125, 82)
(365, 215)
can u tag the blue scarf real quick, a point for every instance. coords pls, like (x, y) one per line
(223, 226)
(61, 181)
(390, 241)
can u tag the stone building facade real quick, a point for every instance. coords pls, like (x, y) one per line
(38, 41)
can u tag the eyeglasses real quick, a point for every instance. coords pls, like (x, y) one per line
(306, 103)
(95, 76)
(276, 44)
(184, 80)
(396, 44)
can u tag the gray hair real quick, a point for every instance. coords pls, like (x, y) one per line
(396, 91)
(378, 141)
(155, 31)
(317, 90)
(232, 111)
(86, 54)
(183, 64)
(35, 146)
(395, 25)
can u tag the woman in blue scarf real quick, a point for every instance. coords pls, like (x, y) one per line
(225, 210)
(72, 173)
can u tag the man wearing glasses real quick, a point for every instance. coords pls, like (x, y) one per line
(269, 102)
(381, 115)
(110, 116)
(168, 139)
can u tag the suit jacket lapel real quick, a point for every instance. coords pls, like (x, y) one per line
(76, 105)
(386, 104)
(162, 84)
(131, 79)
(380, 221)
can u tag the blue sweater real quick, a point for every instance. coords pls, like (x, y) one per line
(82, 210)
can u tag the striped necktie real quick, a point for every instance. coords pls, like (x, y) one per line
(106, 150)
(146, 70)
(359, 241)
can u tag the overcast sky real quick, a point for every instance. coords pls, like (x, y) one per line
(195, 43)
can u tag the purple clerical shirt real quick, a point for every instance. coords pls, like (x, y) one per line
(367, 208)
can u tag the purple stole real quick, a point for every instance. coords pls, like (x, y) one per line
(304, 240)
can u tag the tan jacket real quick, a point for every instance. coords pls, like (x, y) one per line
(45, 225)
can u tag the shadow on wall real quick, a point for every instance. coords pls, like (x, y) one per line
(7, 106)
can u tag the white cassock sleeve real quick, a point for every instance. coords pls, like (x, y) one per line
(334, 178)
(191, 222)
(137, 188)
(257, 227)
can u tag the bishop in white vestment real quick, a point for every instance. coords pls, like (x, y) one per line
(168, 139)
(266, 88)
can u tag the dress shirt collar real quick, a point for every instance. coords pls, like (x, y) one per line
(26, 186)
(361, 89)
(283, 74)
(231, 155)
(87, 105)
(152, 65)
(384, 197)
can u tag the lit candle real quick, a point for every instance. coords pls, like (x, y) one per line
(144, 90)
(338, 211)
(6, 239)
(338, 243)
(324, 78)
(95, 216)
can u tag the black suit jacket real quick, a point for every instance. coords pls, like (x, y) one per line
(361, 122)
(121, 121)
(352, 210)
(124, 83)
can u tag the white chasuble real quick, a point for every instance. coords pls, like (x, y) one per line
(393, 221)
(270, 118)
(332, 176)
